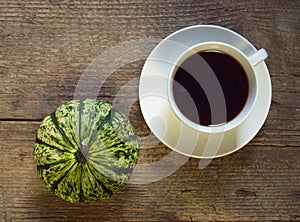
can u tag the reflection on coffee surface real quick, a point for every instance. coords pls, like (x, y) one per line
(208, 78)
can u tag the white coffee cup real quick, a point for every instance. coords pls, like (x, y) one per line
(219, 107)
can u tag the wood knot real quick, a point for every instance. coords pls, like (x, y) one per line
(245, 193)
(22, 156)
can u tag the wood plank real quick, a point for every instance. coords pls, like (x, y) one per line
(247, 184)
(37, 98)
(45, 47)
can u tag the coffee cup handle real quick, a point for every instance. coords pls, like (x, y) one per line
(258, 57)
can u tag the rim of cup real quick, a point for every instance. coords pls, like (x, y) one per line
(250, 73)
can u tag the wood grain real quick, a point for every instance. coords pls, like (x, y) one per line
(257, 182)
(45, 46)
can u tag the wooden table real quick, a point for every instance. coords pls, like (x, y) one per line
(45, 46)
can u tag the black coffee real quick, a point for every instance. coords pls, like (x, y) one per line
(210, 88)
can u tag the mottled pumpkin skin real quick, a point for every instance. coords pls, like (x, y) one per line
(85, 150)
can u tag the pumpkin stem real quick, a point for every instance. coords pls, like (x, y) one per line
(82, 155)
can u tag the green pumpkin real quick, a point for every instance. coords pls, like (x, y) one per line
(85, 150)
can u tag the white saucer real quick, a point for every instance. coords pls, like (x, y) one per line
(161, 118)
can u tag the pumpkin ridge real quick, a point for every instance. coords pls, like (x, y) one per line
(55, 184)
(67, 116)
(116, 169)
(41, 142)
(47, 176)
(80, 117)
(81, 197)
(68, 188)
(115, 145)
(49, 134)
(122, 142)
(46, 166)
(61, 131)
(106, 119)
(99, 181)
